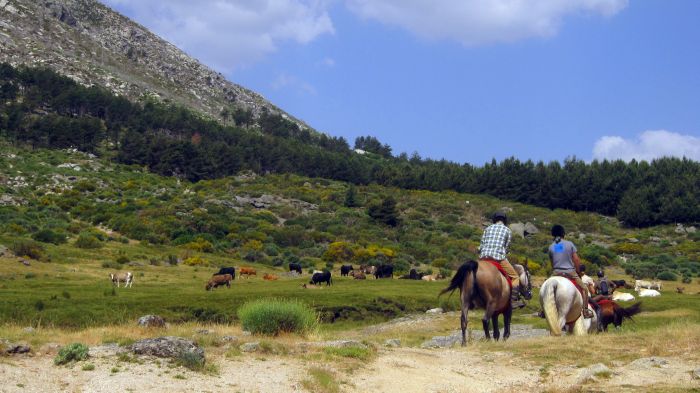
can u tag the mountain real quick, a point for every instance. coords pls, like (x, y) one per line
(93, 44)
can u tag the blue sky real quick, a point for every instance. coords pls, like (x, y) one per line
(464, 80)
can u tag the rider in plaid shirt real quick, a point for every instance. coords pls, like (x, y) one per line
(494, 245)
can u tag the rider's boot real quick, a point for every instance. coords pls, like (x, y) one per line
(515, 301)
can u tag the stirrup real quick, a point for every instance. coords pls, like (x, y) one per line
(588, 314)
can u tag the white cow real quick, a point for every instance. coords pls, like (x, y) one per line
(649, 293)
(622, 296)
(127, 278)
(639, 284)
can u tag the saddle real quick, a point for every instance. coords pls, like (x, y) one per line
(573, 281)
(500, 269)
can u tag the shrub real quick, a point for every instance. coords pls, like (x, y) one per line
(122, 259)
(667, 276)
(627, 248)
(191, 361)
(195, 261)
(88, 367)
(687, 279)
(39, 305)
(200, 245)
(49, 236)
(111, 265)
(88, 241)
(72, 352)
(28, 248)
(273, 316)
(349, 352)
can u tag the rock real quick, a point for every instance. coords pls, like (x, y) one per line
(443, 341)
(203, 332)
(166, 347)
(632, 240)
(518, 228)
(690, 230)
(589, 374)
(531, 229)
(307, 184)
(228, 339)
(5, 252)
(435, 311)
(151, 321)
(8, 348)
(50, 348)
(249, 347)
(247, 333)
(104, 351)
(506, 209)
(655, 239)
(601, 244)
(644, 363)
(679, 229)
(344, 344)
(24, 262)
(696, 373)
(581, 236)
(29, 329)
(392, 343)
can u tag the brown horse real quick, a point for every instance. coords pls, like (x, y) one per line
(611, 312)
(482, 285)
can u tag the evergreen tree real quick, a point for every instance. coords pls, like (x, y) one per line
(385, 212)
(350, 197)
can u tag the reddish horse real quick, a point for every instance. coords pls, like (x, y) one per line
(481, 284)
(611, 312)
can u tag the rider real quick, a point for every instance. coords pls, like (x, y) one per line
(603, 286)
(494, 245)
(588, 281)
(565, 262)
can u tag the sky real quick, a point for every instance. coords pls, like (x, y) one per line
(464, 80)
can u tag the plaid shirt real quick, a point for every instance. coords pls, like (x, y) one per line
(495, 242)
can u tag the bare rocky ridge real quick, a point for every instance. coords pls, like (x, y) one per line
(94, 45)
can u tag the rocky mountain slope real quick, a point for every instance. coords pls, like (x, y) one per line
(93, 44)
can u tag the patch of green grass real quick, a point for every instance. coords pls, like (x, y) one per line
(88, 367)
(274, 316)
(179, 376)
(233, 352)
(70, 353)
(322, 381)
(191, 360)
(273, 348)
(351, 352)
(114, 370)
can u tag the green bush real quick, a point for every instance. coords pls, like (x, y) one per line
(49, 236)
(72, 352)
(88, 241)
(111, 265)
(28, 248)
(667, 276)
(122, 259)
(274, 316)
(191, 361)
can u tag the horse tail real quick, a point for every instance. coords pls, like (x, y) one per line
(549, 305)
(460, 276)
(628, 312)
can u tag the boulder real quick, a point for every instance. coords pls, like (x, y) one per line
(104, 351)
(530, 229)
(29, 329)
(166, 347)
(344, 344)
(680, 229)
(442, 341)
(589, 374)
(644, 363)
(690, 230)
(151, 321)
(392, 343)
(249, 347)
(518, 228)
(435, 311)
(696, 373)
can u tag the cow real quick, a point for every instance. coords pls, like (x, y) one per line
(218, 280)
(310, 286)
(227, 270)
(619, 283)
(248, 271)
(384, 271)
(639, 284)
(368, 269)
(346, 269)
(680, 289)
(295, 267)
(622, 296)
(127, 278)
(649, 293)
(321, 277)
(358, 275)
(270, 277)
(429, 277)
(656, 285)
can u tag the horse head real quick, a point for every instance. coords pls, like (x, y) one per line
(525, 280)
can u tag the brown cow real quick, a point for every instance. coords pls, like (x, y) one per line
(358, 275)
(311, 286)
(219, 280)
(248, 271)
(680, 289)
(270, 277)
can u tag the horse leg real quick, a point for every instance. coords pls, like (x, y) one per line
(485, 323)
(506, 323)
(463, 321)
(496, 331)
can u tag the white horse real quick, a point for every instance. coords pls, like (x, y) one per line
(561, 303)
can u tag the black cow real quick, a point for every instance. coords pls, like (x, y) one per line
(227, 270)
(346, 269)
(384, 271)
(295, 267)
(318, 278)
(619, 283)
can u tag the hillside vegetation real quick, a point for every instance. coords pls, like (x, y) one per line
(44, 109)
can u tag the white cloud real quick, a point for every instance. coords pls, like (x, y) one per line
(226, 34)
(474, 22)
(285, 81)
(328, 62)
(647, 146)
